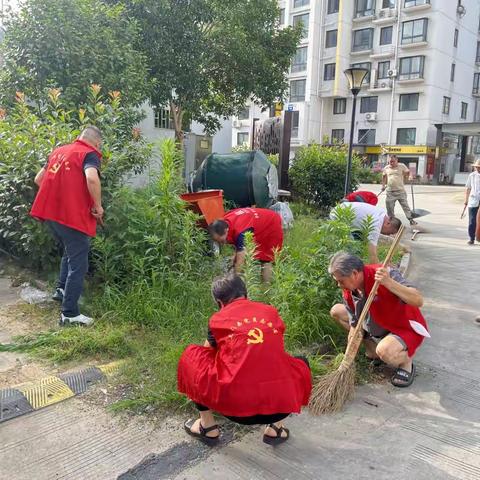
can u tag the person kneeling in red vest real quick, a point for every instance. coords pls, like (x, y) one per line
(394, 327)
(266, 226)
(243, 371)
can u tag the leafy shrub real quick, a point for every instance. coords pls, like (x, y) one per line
(367, 175)
(318, 175)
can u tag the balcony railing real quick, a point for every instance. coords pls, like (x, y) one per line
(369, 12)
(415, 3)
(411, 76)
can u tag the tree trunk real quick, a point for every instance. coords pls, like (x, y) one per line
(177, 116)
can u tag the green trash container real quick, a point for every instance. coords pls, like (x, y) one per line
(246, 178)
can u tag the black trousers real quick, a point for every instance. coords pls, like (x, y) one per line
(472, 222)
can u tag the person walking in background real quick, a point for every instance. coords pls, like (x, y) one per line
(394, 176)
(472, 200)
(69, 201)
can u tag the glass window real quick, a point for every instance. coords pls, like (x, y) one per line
(162, 118)
(477, 56)
(414, 3)
(476, 83)
(446, 105)
(455, 38)
(386, 35)
(329, 71)
(300, 3)
(452, 72)
(406, 136)
(331, 38)
(411, 67)
(299, 61)
(388, 3)
(368, 104)
(368, 66)
(408, 102)
(362, 39)
(295, 123)
(463, 115)
(383, 68)
(339, 105)
(297, 90)
(282, 16)
(242, 138)
(333, 6)
(244, 113)
(364, 8)
(303, 19)
(366, 136)
(338, 135)
(414, 31)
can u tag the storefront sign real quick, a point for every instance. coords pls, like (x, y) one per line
(400, 149)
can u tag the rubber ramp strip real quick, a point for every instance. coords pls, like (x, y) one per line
(31, 396)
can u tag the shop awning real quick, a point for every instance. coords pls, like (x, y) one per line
(468, 129)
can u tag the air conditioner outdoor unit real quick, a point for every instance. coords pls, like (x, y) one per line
(382, 14)
(384, 84)
(371, 116)
(392, 72)
(236, 123)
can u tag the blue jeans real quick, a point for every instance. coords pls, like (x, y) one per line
(74, 265)
(472, 222)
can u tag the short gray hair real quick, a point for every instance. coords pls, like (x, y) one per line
(91, 132)
(345, 264)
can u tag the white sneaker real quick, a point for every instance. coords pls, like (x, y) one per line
(78, 320)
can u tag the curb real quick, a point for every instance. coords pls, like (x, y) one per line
(31, 396)
(405, 263)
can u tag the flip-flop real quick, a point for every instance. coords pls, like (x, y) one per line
(202, 436)
(278, 439)
(404, 377)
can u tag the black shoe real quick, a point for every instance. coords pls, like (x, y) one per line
(58, 295)
(470, 242)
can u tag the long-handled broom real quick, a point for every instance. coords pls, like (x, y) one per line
(334, 389)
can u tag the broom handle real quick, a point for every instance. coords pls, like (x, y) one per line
(357, 338)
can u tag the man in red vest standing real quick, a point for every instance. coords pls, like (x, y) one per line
(69, 200)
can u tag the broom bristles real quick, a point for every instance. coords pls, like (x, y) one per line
(332, 391)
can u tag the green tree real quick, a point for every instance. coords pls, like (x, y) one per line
(71, 44)
(206, 58)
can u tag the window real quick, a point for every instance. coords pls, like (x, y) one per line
(338, 134)
(452, 72)
(339, 105)
(299, 62)
(388, 3)
(362, 39)
(446, 105)
(477, 56)
(303, 19)
(455, 39)
(406, 136)
(300, 3)
(368, 104)
(411, 67)
(366, 136)
(383, 68)
(244, 113)
(414, 31)
(463, 115)
(476, 83)
(414, 3)
(386, 35)
(295, 123)
(408, 102)
(282, 16)
(297, 90)
(242, 138)
(366, 65)
(364, 8)
(162, 118)
(329, 71)
(331, 38)
(333, 6)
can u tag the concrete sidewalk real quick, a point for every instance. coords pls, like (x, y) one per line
(429, 431)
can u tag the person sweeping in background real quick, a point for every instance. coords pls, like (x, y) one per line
(266, 226)
(243, 371)
(472, 200)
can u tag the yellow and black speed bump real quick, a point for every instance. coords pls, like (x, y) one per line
(32, 396)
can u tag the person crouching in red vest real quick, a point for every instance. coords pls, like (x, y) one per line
(363, 196)
(69, 201)
(243, 371)
(266, 226)
(394, 327)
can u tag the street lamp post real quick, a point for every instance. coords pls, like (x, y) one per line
(355, 77)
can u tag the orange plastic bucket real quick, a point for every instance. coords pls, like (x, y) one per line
(208, 203)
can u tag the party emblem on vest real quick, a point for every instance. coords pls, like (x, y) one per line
(255, 336)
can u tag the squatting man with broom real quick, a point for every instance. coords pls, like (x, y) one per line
(394, 327)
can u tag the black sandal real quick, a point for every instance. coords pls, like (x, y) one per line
(202, 436)
(403, 377)
(278, 439)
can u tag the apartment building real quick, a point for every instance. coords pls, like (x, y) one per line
(423, 58)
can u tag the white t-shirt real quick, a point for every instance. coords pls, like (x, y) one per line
(362, 210)
(473, 182)
(395, 176)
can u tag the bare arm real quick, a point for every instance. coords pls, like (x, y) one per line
(239, 260)
(384, 180)
(39, 176)
(410, 295)
(95, 188)
(467, 194)
(372, 252)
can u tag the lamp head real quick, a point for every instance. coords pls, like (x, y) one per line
(355, 77)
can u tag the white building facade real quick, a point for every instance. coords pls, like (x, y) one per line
(424, 63)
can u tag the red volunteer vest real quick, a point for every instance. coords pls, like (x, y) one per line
(267, 229)
(249, 372)
(362, 196)
(387, 310)
(63, 196)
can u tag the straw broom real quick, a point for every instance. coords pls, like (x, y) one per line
(334, 389)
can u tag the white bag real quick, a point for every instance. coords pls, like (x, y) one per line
(283, 209)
